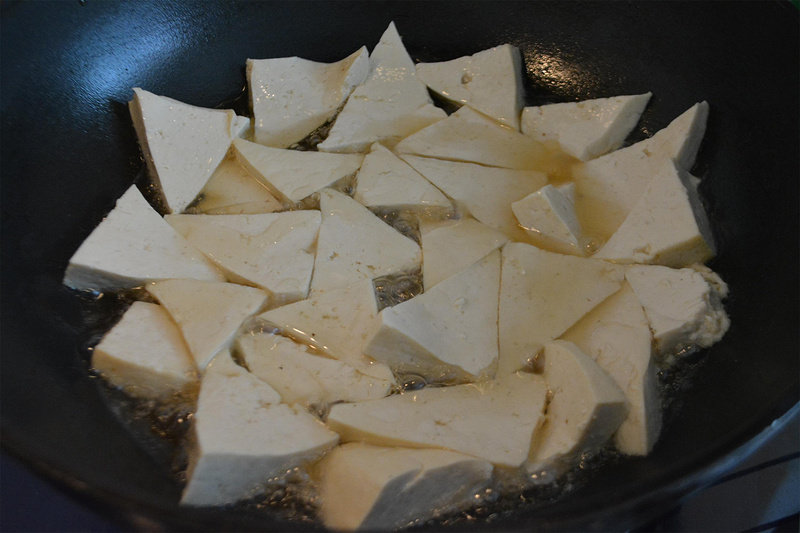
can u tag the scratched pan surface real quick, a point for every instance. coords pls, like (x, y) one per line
(69, 150)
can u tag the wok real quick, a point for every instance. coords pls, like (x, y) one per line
(69, 150)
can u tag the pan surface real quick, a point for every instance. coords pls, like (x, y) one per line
(69, 150)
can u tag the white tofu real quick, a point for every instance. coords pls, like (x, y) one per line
(338, 322)
(376, 488)
(291, 97)
(489, 81)
(485, 192)
(208, 313)
(542, 294)
(268, 250)
(449, 248)
(304, 378)
(240, 127)
(585, 129)
(684, 309)
(354, 244)
(448, 332)
(548, 216)
(667, 226)
(232, 188)
(494, 421)
(385, 180)
(144, 354)
(390, 105)
(182, 144)
(132, 246)
(608, 187)
(292, 175)
(242, 436)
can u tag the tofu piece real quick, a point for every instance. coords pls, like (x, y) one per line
(338, 322)
(232, 188)
(548, 216)
(472, 137)
(132, 246)
(291, 175)
(390, 105)
(494, 421)
(684, 308)
(447, 333)
(667, 226)
(489, 81)
(451, 247)
(240, 127)
(375, 488)
(302, 377)
(243, 436)
(586, 407)
(182, 144)
(608, 187)
(291, 97)
(617, 336)
(385, 180)
(273, 251)
(542, 294)
(585, 129)
(354, 244)
(208, 313)
(144, 354)
(486, 193)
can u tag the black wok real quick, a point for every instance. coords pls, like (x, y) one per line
(69, 150)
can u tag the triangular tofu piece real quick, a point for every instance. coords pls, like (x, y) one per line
(240, 127)
(390, 105)
(273, 251)
(447, 333)
(291, 97)
(243, 436)
(542, 294)
(449, 248)
(354, 244)
(667, 226)
(207, 313)
(485, 192)
(375, 488)
(291, 175)
(182, 144)
(385, 180)
(608, 187)
(132, 246)
(494, 421)
(585, 129)
(489, 81)
(231, 188)
(548, 216)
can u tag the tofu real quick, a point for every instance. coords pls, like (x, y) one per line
(585, 129)
(384, 180)
(144, 354)
(232, 190)
(291, 175)
(486, 193)
(451, 247)
(548, 216)
(489, 81)
(447, 333)
(273, 251)
(242, 437)
(182, 144)
(542, 294)
(684, 308)
(375, 488)
(208, 313)
(240, 127)
(667, 226)
(301, 377)
(133, 245)
(354, 244)
(291, 97)
(494, 421)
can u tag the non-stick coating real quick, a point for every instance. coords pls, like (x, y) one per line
(69, 150)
